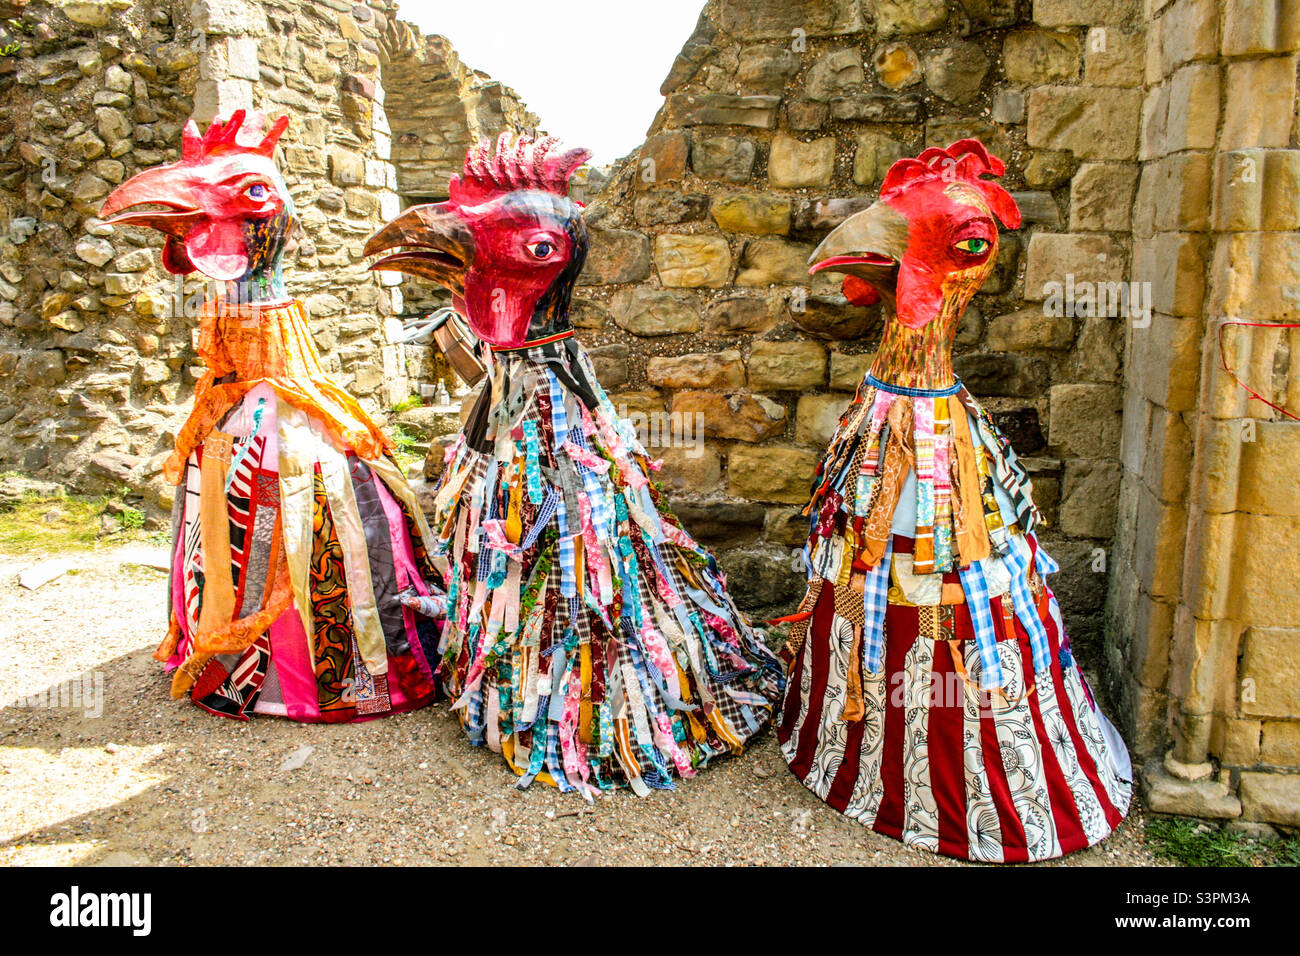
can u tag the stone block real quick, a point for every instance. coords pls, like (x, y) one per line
(1258, 120)
(662, 159)
(795, 164)
(1085, 420)
(1057, 261)
(907, 17)
(767, 262)
(757, 213)
(1089, 492)
(1280, 745)
(770, 473)
(787, 366)
(1271, 797)
(1100, 123)
(873, 154)
(653, 312)
(1033, 56)
(692, 261)
(956, 70)
(720, 370)
(816, 418)
(721, 109)
(727, 158)
(1101, 197)
(616, 256)
(736, 416)
(837, 73)
(1029, 329)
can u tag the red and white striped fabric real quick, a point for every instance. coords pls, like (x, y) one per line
(1028, 775)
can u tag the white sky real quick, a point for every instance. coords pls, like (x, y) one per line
(589, 70)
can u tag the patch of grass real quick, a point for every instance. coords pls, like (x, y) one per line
(406, 404)
(404, 438)
(132, 519)
(50, 524)
(1196, 843)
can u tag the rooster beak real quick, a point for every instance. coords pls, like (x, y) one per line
(434, 243)
(168, 186)
(869, 245)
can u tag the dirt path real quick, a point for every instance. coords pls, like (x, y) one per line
(152, 781)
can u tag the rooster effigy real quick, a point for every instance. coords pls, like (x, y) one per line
(932, 693)
(589, 639)
(298, 546)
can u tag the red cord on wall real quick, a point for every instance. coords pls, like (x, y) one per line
(1223, 358)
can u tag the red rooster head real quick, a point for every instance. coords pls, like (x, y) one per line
(508, 243)
(226, 211)
(930, 240)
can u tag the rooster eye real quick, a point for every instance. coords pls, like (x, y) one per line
(541, 249)
(974, 247)
(257, 191)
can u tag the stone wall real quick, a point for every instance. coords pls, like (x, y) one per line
(439, 108)
(779, 120)
(93, 370)
(1204, 619)
(96, 357)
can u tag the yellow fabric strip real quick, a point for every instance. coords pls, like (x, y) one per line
(342, 500)
(297, 464)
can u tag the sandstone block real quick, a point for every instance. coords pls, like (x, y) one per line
(662, 159)
(767, 262)
(955, 71)
(1101, 197)
(691, 261)
(1085, 420)
(897, 65)
(1091, 123)
(794, 164)
(651, 312)
(738, 314)
(616, 256)
(770, 473)
(722, 370)
(1271, 797)
(816, 418)
(873, 155)
(1089, 493)
(728, 158)
(1029, 329)
(849, 369)
(787, 366)
(721, 109)
(837, 73)
(1040, 56)
(1052, 257)
(906, 17)
(758, 213)
(737, 416)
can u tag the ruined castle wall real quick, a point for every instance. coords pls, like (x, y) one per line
(1204, 625)
(96, 349)
(779, 120)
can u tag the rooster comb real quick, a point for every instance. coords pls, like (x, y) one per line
(965, 161)
(224, 137)
(524, 163)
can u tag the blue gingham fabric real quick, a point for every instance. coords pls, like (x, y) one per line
(981, 615)
(875, 599)
(1017, 560)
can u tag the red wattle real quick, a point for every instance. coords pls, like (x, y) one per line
(859, 291)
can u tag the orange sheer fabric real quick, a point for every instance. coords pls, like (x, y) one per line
(271, 344)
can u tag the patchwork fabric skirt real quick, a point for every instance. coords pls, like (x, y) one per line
(920, 753)
(289, 556)
(589, 639)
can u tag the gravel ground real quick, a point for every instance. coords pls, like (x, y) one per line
(154, 781)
